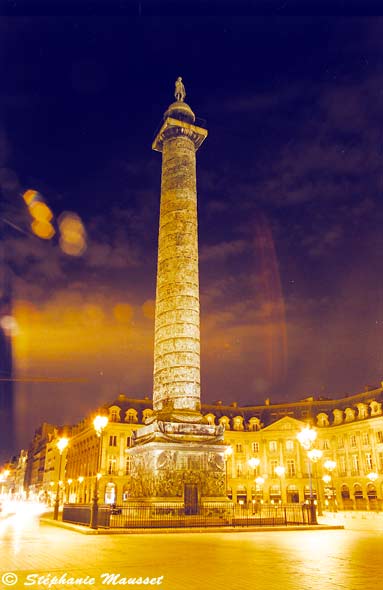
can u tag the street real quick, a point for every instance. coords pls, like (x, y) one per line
(56, 558)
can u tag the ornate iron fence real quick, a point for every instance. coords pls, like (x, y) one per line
(174, 515)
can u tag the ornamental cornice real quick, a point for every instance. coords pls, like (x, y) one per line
(172, 128)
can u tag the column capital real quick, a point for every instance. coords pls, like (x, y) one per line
(176, 128)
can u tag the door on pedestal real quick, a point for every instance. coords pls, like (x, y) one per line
(191, 498)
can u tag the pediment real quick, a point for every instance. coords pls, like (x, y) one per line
(285, 424)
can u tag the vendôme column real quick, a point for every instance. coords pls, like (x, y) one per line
(177, 456)
(176, 386)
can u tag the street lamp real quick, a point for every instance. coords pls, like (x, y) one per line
(280, 471)
(69, 482)
(330, 465)
(259, 481)
(227, 454)
(99, 424)
(306, 438)
(372, 476)
(314, 455)
(253, 463)
(80, 479)
(61, 445)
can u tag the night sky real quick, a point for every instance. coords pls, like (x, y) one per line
(289, 196)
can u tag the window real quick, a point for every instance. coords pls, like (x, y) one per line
(273, 446)
(255, 447)
(353, 440)
(380, 462)
(326, 444)
(238, 448)
(131, 416)
(342, 465)
(355, 464)
(128, 441)
(273, 465)
(291, 471)
(113, 416)
(128, 465)
(113, 441)
(365, 438)
(340, 441)
(239, 469)
(369, 461)
(112, 465)
(379, 436)
(289, 445)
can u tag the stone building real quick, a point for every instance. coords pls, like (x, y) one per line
(349, 433)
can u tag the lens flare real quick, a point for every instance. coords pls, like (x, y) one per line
(40, 211)
(72, 234)
(123, 312)
(42, 229)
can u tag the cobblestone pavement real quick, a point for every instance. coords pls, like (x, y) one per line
(288, 560)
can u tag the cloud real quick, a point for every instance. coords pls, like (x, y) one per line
(222, 250)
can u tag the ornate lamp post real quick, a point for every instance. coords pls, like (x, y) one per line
(259, 483)
(99, 424)
(280, 471)
(80, 480)
(306, 438)
(61, 445)
(330, 465)
(69, 482)
(253, 463)
(227, 454)
(314, 455)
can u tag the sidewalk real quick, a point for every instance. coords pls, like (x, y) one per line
(354, 519)
(48, 519)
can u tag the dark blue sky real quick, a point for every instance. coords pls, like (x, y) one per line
(289, 189)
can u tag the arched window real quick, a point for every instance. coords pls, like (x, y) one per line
(114, 414)
(238, 423)
(371, 492)
(358, 492)
(322, 419)
(131, 416)
(225, 421)
(362, 411)
(376, 408)
(345, 492)
(254, 424)
(146, 414)
(338, 416)
(210, 419)
(350, 414)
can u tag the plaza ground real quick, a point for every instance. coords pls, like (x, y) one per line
(317, 560)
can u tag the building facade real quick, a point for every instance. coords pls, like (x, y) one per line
(266, 463)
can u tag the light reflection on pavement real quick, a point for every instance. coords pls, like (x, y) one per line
(287, 560)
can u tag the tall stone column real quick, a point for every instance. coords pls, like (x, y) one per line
(178, 457)
(176, 386)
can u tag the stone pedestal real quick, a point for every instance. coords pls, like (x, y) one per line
(178, 462)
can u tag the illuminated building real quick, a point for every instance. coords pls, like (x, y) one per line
(349, 432)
